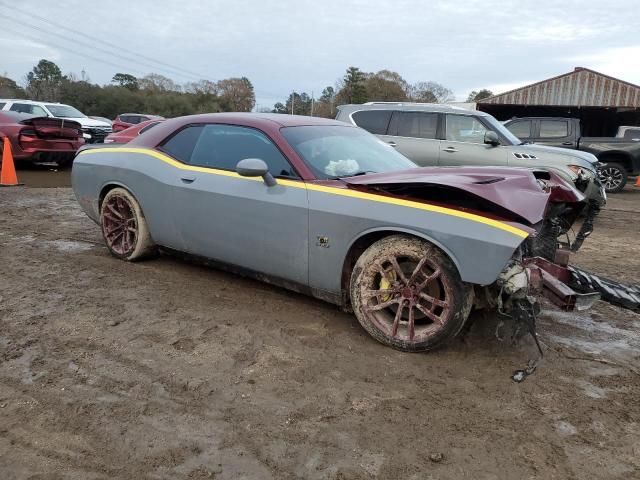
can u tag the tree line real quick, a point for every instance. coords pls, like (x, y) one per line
(152, 94)
(159, 95)
(357, 86)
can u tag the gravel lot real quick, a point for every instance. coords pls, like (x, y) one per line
(168, 370)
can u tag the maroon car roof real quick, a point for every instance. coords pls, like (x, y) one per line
(267, 122)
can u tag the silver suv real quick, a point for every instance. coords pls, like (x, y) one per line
(444, 135)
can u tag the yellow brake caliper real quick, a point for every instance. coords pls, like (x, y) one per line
(386, 281)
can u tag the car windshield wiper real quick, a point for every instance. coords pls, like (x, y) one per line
(363, 172)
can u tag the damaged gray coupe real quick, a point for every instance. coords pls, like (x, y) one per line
(327, 209)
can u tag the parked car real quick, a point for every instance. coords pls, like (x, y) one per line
(621, 156)
(126, 120)
(325, 208)
(102, 119)
(434, 134)
(40, 139)
(445, 135)
(629, 133)
(124, 136)
(93, 131)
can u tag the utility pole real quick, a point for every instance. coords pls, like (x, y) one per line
(312, 101)
(293, 101)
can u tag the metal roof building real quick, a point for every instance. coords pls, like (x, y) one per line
(600, 101)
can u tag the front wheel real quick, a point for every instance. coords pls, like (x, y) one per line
(408, 294)
(124, 227)
(613, 176)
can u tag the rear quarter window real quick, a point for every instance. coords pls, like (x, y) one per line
(180, 145)
(373, 121)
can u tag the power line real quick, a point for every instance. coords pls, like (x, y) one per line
(75, 52)
(96, 39)
(187, 74)
(95, 47)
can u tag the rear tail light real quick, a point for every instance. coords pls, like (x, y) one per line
(27, 136)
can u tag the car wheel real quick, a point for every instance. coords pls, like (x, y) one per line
(613, 177)
(124, 227)
(408, 294)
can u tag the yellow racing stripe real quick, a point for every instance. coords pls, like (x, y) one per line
(320, 188)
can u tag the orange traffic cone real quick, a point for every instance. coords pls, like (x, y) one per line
(638, 181)
(8, 177)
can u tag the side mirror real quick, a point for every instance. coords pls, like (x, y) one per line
(491, 138)
(254, 167)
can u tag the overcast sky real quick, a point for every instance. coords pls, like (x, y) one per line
(306, 45)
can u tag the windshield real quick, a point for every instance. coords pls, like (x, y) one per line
(336, 151)
(64, 111)
(500, 129)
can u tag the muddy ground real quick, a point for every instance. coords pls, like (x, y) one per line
(169, 370)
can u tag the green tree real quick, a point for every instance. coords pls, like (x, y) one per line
(325, 106)
(352, 87)
(297, 104)
(386, 86)
(125, 80)
(479, 95)
(44, 81)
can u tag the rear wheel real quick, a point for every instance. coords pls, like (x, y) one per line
(124, 227)
(408, 294)
(613, 176)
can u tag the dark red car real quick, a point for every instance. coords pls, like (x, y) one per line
(125, 136)
(41, 139)
(126, 120)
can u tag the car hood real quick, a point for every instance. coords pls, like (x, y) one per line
(589, 159)
(89, 122)
(522, 192)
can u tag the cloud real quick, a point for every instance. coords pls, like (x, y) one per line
(620, 62)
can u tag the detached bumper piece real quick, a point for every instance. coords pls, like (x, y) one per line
(592, 211)
(616, 293)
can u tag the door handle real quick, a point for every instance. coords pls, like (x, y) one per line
(450, 150)
(568, 143)
(393, 144)
(188, 179)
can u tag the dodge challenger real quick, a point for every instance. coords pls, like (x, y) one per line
(325, 208)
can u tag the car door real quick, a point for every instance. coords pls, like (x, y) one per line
(464, 143)
(556, 133)
(237, 220)
(415, 135)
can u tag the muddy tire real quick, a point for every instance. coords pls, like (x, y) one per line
(613, 176)
(408, 294)
(124, 227)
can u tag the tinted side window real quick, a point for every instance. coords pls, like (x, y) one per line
(521, 129)
(180, 146)
(374, 121)
(136, 119)
(2, 105)
(223, 146)
(415, 124)
(125, 118)
(554, 128)
(21, 108)
(465, 128)
(631, 134)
